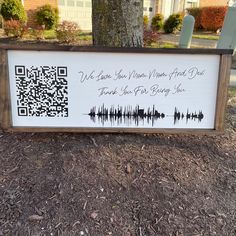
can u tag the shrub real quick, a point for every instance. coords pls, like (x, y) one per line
(208, 18)
(13, 10)
(212, 18)
(173, 23)
(145, 22)
(196, 13)
(67, 32)
(47, 16)
(150, 37)
(157, 22)
(38, 32)
(14, 28)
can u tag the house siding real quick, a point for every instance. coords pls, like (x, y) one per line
(82, 14)
(79, 11)
(167, 7)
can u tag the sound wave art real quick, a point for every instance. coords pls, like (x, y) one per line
(188, 116)
(128, 115)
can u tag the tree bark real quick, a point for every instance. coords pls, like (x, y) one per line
(117, 23)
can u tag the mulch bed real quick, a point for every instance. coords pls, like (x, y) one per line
(118, 184)
(67, 184)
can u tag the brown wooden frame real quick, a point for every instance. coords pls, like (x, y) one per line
(223, 80)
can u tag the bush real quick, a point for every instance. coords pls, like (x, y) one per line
(173, 23)
(145, 22)
(212, 18)
(38, 32)
(13, 10)
(150, 37)
(47, 16)
(208, 18)
(67, 32)
(157, 22)
(14, 28)
(196, 13)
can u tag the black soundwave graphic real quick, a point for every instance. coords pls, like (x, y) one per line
(125, 115)
(188, 116)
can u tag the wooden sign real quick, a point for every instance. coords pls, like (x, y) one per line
(113, 90)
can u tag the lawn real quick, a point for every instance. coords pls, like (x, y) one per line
(209, 37)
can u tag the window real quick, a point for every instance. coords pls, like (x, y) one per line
(191, 4)
(79, 4)
(71, 3)
(61, 2)
(150, 9)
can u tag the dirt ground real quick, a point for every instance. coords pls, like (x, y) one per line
(119, 184)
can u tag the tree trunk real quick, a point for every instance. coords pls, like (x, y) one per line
(117, 23)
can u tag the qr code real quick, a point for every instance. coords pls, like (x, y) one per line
(42, 91)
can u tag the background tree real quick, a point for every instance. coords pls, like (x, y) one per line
(117, 23)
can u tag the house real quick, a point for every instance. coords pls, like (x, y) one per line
(80, 11)
(168, 7)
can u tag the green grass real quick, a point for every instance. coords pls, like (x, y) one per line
(85, 36)
(209, 37)
(49, 34)
(162, 45)
(167, 45)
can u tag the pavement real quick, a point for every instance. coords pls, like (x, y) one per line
(202, 43)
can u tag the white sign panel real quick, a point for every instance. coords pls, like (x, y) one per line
(112, 90)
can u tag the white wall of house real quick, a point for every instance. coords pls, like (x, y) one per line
(79, 11)
(175, 6)
(167, 8)
(149, 8)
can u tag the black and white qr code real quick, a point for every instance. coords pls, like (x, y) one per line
(42, 91)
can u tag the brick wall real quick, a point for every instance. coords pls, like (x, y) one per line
(207, 3)
(31, 5)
